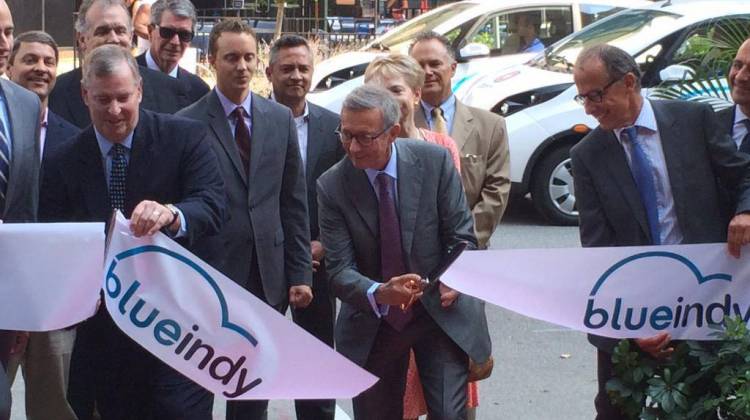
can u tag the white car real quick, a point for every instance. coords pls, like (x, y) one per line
(536, 98)
(480, 33)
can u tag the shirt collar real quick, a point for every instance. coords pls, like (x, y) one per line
(739, 116)
(448, 106)
(151, 63)
(646, 119)
(230, 106)
(45, 117)
(305, 114)
(105, 145)
(391, 168)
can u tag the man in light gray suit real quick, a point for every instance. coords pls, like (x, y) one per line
(388, 215)
(19, 155)
(265, 244)
(651, 173)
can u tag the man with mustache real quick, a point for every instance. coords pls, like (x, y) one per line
(46, 359)
(170, 33)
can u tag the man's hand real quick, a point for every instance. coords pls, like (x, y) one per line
(318, 253)
(300, 296)
(656, 346)
(19, 342)
(400, 290)
(447, 295)
(738, 234)
(149, 217)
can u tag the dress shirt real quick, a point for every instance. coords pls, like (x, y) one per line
(43, 134)
(5, 118)
(648, 135)
(230, 106)
(739, 129)
(391, 169)
(301, 123)
(151, 63)
(449, 111)
(105, 146)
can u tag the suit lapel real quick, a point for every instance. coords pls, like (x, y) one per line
(362, 196)
(419, 118)
(409, 186)
(260, 131)
(94, 182)
(140, 161)
(78, 108)
(22, 147)
(220, 126)
(618, 166)
(314, 137)
(670, 134)
(462, 125)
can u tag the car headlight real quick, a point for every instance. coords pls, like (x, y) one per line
(520, 101)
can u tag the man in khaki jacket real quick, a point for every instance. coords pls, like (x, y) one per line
(480, 135)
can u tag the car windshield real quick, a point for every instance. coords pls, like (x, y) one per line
(619, 30)
(424, 23)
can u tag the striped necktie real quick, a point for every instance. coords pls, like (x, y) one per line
(4, 165)
(439, 124)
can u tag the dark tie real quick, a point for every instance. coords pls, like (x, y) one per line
(391, 251)
(4, 165)
(117, 177)
(644, 180)
(242, 136)
(745, 143)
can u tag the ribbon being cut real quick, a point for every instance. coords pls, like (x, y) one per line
(624, 292)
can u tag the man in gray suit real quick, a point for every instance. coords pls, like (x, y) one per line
(266, 241)
(388, 215)
(736, 119)
(651, 173)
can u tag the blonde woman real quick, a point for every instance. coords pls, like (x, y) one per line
(403, 77)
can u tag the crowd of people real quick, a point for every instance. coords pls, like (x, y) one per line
(301, 206)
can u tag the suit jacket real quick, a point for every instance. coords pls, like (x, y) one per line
(433, 216)
(22, 196)
(267, 207)
(482, 141)
(161, 93)
(170, 162)
(725, 118)
(195, 88)
(58, 130)
(701, 161)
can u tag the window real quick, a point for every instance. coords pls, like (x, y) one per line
(590, 13)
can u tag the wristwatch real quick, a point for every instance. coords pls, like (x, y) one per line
(175, 213)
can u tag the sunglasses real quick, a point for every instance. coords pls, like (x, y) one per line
(169, 33)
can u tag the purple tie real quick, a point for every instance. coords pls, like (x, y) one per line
(391, 252)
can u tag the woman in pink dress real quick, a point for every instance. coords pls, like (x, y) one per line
(403, 77)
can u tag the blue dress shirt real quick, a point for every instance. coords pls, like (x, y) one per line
(449, 111)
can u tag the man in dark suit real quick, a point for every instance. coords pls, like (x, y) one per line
(651, 173)
(290, 70)
(170, 33)
(388, 215)
(46, 357)
(108, 22)
(140, 163)
(736, 119)
(265, 245)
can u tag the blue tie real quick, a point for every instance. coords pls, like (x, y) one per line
(642, 172)
(4, 165)
(117, 177)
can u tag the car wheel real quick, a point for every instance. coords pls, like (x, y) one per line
(552, 189)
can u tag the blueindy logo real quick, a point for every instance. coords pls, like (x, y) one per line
(183, 339)
(619, 314)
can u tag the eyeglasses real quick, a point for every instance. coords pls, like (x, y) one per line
(595, 96)
(363, 139)
(169, 33)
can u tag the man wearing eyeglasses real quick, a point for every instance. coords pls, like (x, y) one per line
(170, 33)
(651, 173)
(388, 214)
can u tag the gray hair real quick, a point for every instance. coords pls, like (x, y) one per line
(432, 35)
(288, 41)
(616, 61)
(180, 8)
(103, 62)
(368, 96)
(81, 24)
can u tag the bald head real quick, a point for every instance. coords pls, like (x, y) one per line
(6, 35)
(739, 77)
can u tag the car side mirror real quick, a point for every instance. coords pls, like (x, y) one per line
(474, 49)
(676, 73)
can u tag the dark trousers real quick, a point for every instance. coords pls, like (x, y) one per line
(5, 398)
(317, 319)
(604, 372)
(442, 365)
(125, 382)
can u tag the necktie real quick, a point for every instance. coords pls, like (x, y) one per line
(642, 172)
(4, 165)
(117, 177)
(745, 143)
(391, 251)
(242, 137)
(439, 124)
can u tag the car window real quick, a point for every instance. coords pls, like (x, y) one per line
(428, 22)
(591, 13)
(707, 38)
(527, 30)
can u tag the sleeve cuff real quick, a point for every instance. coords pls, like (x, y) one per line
(183, 225)
(380, 310)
